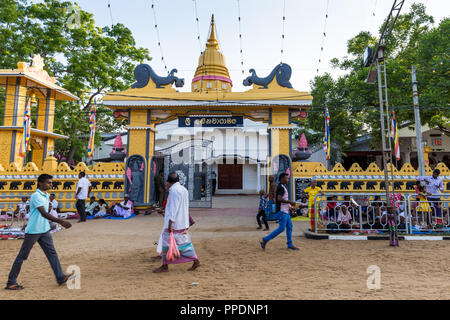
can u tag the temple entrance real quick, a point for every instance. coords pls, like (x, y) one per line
(192, 161)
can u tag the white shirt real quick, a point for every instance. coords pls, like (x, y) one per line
(177, 207)
(84, 184)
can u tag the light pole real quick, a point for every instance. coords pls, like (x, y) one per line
(419, 144)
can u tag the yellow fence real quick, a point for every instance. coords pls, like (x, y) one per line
(107, 181)
(358, 180)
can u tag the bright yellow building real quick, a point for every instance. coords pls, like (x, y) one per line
(21, 84)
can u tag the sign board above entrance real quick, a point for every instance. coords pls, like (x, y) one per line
(211, 121)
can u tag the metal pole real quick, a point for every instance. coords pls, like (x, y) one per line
(383, 134)
(418, 124)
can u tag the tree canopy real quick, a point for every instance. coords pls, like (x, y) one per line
(353, 104)
(85, 59)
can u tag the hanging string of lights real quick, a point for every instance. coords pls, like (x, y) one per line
(324, 35)
(282, 34)
(110, 13)
(198, 27)
(373, 14)
(240, 36)
(158, 37)
(199, 42)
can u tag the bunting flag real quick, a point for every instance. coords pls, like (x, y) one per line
(92, 135)
(326, 139)
(26, 130)
(394, 136)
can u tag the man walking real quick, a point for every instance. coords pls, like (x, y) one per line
(38, 230)
(282, 205)
(176, 220)
(83, 190)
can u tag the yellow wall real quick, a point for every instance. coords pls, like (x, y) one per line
(12, 173)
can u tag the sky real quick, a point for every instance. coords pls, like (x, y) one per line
(261, 29)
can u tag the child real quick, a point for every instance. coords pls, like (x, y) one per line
(262, 210)
(101, 210)
(423, 207)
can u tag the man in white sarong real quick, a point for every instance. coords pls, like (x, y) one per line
(176, 220)
(125, 208)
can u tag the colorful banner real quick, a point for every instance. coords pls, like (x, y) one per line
(394, 136)
(92, 135)
(326, 139)
(26, 130)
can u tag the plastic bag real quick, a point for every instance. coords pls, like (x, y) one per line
(173, 253)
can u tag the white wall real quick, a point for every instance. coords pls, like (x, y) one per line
(249, 178)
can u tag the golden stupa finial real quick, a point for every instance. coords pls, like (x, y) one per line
(212, 41)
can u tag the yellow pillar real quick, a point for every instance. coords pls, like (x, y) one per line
(141, 141)
(280, 130)
(13, 116)
(45, 119)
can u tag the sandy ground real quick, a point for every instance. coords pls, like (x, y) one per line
(115, 261)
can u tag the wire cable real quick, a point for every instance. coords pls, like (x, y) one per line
(324, 35)
(158, 37)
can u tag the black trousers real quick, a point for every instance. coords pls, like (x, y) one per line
(81, 208)
(262, 214)
(46, 242)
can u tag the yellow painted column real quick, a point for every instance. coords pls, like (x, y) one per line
(279, 132)
(45, 120)
(141, 141)
(280, 138)
(13, 116)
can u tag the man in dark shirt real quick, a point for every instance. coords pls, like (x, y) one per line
(282, 205)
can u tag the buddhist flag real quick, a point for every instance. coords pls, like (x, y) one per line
(394, 136)
(326, 138)
(92, 135)
(26, 130)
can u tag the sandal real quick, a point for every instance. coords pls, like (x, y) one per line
(15, 286)
(67, 278)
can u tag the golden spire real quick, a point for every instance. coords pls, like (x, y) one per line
(212, 73)
(212, 41)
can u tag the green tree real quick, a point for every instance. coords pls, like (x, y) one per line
(85, 59)
(353, 104)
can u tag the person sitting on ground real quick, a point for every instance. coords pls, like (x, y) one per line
(23, 209)
(344, 219)
(90, 207)
(123, 209)
(102, 209)
(302, 209)
(262, 210)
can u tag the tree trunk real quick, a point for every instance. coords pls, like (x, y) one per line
(71, 154)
